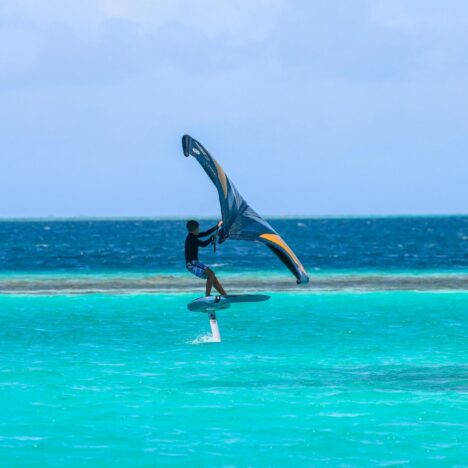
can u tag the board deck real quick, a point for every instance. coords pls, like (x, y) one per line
(210, 303)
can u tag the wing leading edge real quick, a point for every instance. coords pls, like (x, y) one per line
(241, 222)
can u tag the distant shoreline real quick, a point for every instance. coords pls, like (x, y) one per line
(168, 283)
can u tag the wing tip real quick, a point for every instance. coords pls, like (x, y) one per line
(186, 139)
(303, 280)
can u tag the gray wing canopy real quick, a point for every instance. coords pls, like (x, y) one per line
(241, 222)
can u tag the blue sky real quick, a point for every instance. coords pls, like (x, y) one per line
(312, 107)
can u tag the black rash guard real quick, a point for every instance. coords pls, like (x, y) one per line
(192, 242)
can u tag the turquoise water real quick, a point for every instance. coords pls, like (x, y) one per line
(312, 379)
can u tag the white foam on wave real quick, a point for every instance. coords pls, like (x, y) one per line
(202, 339)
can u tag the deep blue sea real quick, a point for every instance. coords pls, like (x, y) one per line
(354, 244)
(101, 363)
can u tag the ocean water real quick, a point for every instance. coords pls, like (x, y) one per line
(102, 364)
(330, 244)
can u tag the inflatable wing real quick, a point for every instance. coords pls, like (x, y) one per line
(241, 222)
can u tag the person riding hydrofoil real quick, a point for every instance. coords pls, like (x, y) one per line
(192, 244)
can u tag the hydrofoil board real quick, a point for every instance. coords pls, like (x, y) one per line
(211, 303)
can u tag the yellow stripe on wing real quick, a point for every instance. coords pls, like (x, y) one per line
(222, 177)
(275, 239)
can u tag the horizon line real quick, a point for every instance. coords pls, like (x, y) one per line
(211, 217)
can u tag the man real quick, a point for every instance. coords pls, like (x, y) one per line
(192, 243)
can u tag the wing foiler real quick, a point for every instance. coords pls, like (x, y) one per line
(241, 222)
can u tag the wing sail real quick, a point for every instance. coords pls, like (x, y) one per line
(241, 222)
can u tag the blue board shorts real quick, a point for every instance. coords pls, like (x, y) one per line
(197, 268)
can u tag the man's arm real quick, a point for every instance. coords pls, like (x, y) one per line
(213, 229)
(207, 233)
(204, 243)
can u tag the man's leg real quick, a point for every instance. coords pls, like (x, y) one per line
(209, 281)
(218, 286)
